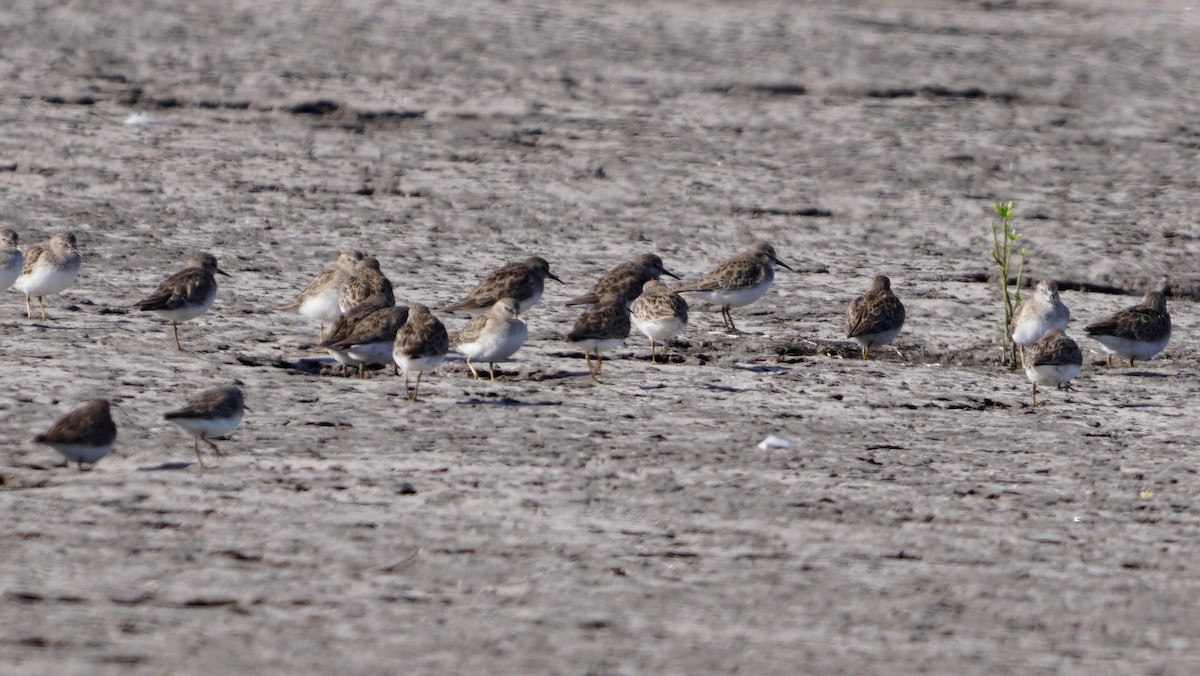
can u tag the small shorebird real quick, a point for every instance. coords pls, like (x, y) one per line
(876, 317)
(321, 300)
(86, 434)
(367, 281)
(1137, 332)
(522, 281)
(626, 280)
(187, 294)
(49, 268)
(738, 281)
(213, 413)
(366, 336)
(659, 313)
(1054, 359)
(421, 344)
(492, 336)
(1039, 313)
(12, 258)
(601, 328)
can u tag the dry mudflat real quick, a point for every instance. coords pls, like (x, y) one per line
(923, 518)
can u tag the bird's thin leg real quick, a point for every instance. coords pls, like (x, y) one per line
(417, 385)
(1108, 361)
(362, 370)
(43, 307)
(653, 356)
(492, 370)
(196, 448)
(1131, 362)
(407, 393)
(321, 332)
(866, 353)
(1035, 404)
(474, 373)
(175, 328)
(212, 446)
(587, 356)
(599, 361)
(29, 312)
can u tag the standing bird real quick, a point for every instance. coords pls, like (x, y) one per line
(49, 268)
(11, 258)
(659, 313)
(1039, 313)
(522, 281)
(738, 281)
(626, 280)
(492, 336)
(421, 344)
(875, 318)
(213, 413)
(84, 435)
(601, 328)
(1137, 332)
(367, 281)
(322, 298)
(366, 336)
(187, 294)
(1054, 359)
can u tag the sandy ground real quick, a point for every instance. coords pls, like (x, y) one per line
(924, 518)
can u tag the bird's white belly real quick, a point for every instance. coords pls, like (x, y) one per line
(1131, 349)
(210, 427)
(869, 340)
(1027, 333)
(47, 280)
(371, 353)
(83, 452)
(1052, 375)
(661, 329)
(182, 314)
(496, 346)
(323, 307)
(418, 364)
(343, 357)
(733, 297)
(10, 269)
(599, 345)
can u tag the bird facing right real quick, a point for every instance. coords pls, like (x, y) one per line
(626, 280)
(187, 294)
(1039, 313)
(523, 281)
(1137, 332)
(86, 434)
(49, 268)
(738, 281)
(213, 413)
(876, 317)
(1052, 360)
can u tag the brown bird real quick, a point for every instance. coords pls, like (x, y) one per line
(322, 298)
(1137, 332)
(1054, 359)
(493, 336)
(48, 269)
(213, 413)
(86, 434)
(420, 345)
(522, 281)
(875, 318)
(738, 281)
(368, 280)
(186, 294)
(659, 313)
(367, 335)
(625, 280)
(601, 328)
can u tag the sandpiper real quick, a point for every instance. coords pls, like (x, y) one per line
(626, 280)
(367, 336)
(86, 434)
(367, 281)
(1052, 360)
(212, 414)
(421, 344)
(493, 336)
(321, 300)
(876, 317)
(187, 294)
(601, 328)
(1039, 313)
(738, 281)
(522, 281)
(659, 313)
(49, 268)
(1137, 332)
(12, 258)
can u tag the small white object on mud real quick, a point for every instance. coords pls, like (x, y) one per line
(773, 441)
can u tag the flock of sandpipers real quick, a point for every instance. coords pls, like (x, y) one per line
(368, 329)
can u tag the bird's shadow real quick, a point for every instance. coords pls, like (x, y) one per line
(167, 467)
